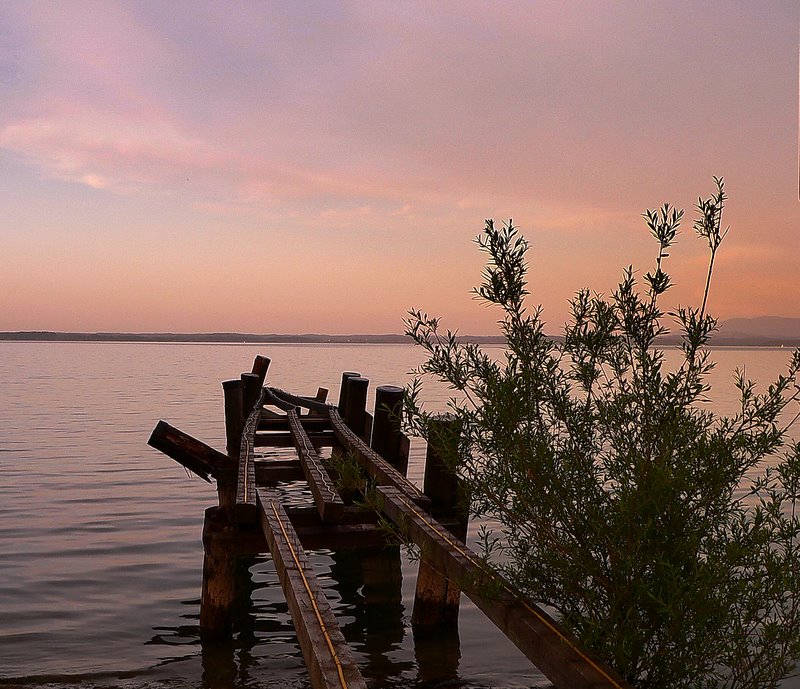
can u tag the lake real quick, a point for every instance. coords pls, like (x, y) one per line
(100, 551)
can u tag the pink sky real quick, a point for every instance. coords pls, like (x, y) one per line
(323, 167)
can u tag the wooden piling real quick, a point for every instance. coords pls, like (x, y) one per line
(260, 368)
(436, 600)
(386, 426)
(355, 405)
(346, 375)
(234, 416)
(442, 483)
(251, 389)
(219, 576)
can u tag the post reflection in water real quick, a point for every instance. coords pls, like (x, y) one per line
(370, 609)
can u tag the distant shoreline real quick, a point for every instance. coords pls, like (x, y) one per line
(313, 338)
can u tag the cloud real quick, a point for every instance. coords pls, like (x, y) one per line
(110, 151)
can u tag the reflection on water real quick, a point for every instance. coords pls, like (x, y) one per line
(100, 535)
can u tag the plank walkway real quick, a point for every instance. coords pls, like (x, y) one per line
(328, 657)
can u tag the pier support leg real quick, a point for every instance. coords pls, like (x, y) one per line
(219, 576)
(436, 600)
(355, 406)
(387, 435)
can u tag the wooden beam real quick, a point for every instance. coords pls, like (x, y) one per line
(276, 401)
(377, 467)
(281, 439)
(281, 423)
(534, 632)
(329, 503)
(276, 470)
(196, 456)
(328, 658)
(246, 510)
(299, 400)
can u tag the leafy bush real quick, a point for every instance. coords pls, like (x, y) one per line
(665, 536)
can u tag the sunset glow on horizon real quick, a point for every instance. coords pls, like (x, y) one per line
(322, 167)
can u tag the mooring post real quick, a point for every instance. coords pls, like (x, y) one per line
(355, 405)
(347, 375)
(251, 389)
(234, 416)
(260, 368)
(219, 576)
(437, 598)
(386, 426)
(234, 422)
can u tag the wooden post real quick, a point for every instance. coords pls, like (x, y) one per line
(260, 367)
(386, 433)
(347, 375)
(355, 405)
(251, 389)
(234, 417)
(442, 484)
(219, 576)
(234, 422)
(436, 599)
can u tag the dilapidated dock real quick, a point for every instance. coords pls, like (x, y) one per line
(252, 518)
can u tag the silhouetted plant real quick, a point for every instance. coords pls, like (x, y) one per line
(665, 535)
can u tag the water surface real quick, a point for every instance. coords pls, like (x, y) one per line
(100, 552)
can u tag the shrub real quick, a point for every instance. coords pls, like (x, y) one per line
(665, 535)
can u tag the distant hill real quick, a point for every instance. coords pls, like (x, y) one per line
(226, 338)
(763, 331)
(773, 328)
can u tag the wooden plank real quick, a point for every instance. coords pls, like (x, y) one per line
(246, 511)
(328, 658)
(329, 503)
(358, 530)
(279, 422)
(196, 456)
(276, 470)
(534, 632)
(377, 467)
(281, 439)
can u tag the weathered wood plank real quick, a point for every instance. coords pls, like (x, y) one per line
(533, 631)
(329, 503)
(246, 510)
(377, 467)
(276, 470)
(279, 422)
(284, 439)
(328, 658)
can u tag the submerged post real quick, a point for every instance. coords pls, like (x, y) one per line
(437, 598)
(219, 576)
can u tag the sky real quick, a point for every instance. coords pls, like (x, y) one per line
(322, 167)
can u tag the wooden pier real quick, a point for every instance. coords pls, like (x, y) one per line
(252, 518)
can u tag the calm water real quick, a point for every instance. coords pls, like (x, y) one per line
(100, 552)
